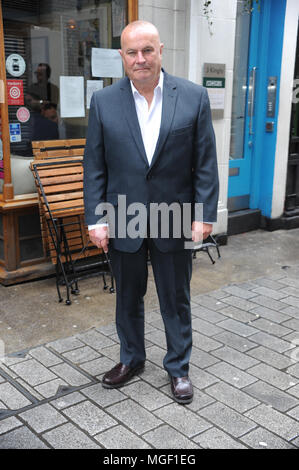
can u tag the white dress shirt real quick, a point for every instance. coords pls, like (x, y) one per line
(149, 121)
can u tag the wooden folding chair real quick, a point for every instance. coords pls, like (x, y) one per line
(59, 183)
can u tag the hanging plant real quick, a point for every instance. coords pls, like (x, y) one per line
(208, 12)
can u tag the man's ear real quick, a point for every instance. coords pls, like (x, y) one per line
(120, 52)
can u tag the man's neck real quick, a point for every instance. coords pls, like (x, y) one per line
(147, 89)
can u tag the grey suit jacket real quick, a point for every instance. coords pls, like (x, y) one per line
(183, 168)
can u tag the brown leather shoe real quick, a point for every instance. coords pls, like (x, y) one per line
(120, 374)
(182, 389)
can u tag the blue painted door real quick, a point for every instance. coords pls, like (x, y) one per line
(246, 76)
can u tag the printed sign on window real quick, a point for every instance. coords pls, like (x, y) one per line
(15, 92)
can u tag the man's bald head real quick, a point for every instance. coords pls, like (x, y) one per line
(139, 26)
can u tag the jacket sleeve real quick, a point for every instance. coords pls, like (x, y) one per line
(205, 169)
(95, 171)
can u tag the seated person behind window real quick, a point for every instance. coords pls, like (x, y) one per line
(42, 91)
(44, 124)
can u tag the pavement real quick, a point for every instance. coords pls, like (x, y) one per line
(244, 364)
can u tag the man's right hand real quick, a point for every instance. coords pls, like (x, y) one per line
(100, 237)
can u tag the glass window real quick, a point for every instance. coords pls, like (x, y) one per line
(240, 81)
(47, 40)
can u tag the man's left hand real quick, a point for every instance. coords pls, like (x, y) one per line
(201, 231)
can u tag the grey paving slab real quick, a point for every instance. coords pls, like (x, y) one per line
(231, 375)
(237, 327)
(238, 302)
(209, 302)
(271, 327)
(270, 303)
(271, 357)
(121, 438)
(201, 378)
(107, 330)
(95, 339)
(157, 337)
(270, 341)
(155, 355)
(49, 389)
(21, 438)
(207, 314)
(43, 417)
(294, 391)
(294, 370)
(293, 301)
(272, 315)
(201, 358)
(11, 397)
(182, 419)
(8, 424)
(146, 395)
(214, 438)
(227, 419)
(89, 417)
(33, 372)
(80, 355)
(276, 422)
(203, 342)
(271, 375)
(154, 375)
(68, 400)
(236, 358)
(98, 366)
(232, 397)
(102, 396)
(165, 437)
(70, 375)
(69, 436)
(235, 341)
(270, 283)
(294, 413)
(46, 357)
(239, 292)
(238, 314)
(293, 324)
(112, 352)
(204, 327)
(270, 395)
(268, 292)
(65, 344)
(134, 416)
(262, 439)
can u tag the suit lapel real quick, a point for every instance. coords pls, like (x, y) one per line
(131, 116)
(168, 108)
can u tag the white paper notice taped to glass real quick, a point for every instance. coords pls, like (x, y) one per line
(91, 87)
(216, 97)
(106, 63)
(72, 97)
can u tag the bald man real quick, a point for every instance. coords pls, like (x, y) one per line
(150, 141)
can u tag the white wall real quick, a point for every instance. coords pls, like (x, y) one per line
(285, 106)
(171, 17)
(217, 47)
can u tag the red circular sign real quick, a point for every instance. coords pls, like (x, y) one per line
(15, 92)
(23, 114)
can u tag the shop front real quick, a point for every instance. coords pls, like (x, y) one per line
(53, 55)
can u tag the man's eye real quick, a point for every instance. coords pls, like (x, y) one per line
(147, 51)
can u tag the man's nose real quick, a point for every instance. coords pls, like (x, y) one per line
(140, 58)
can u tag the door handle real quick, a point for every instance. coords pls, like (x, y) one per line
(251, 98)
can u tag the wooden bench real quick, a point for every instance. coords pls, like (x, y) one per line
(59, 183)
(44, 149)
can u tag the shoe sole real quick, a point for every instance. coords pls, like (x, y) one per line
(138, 371)
(181, 401)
